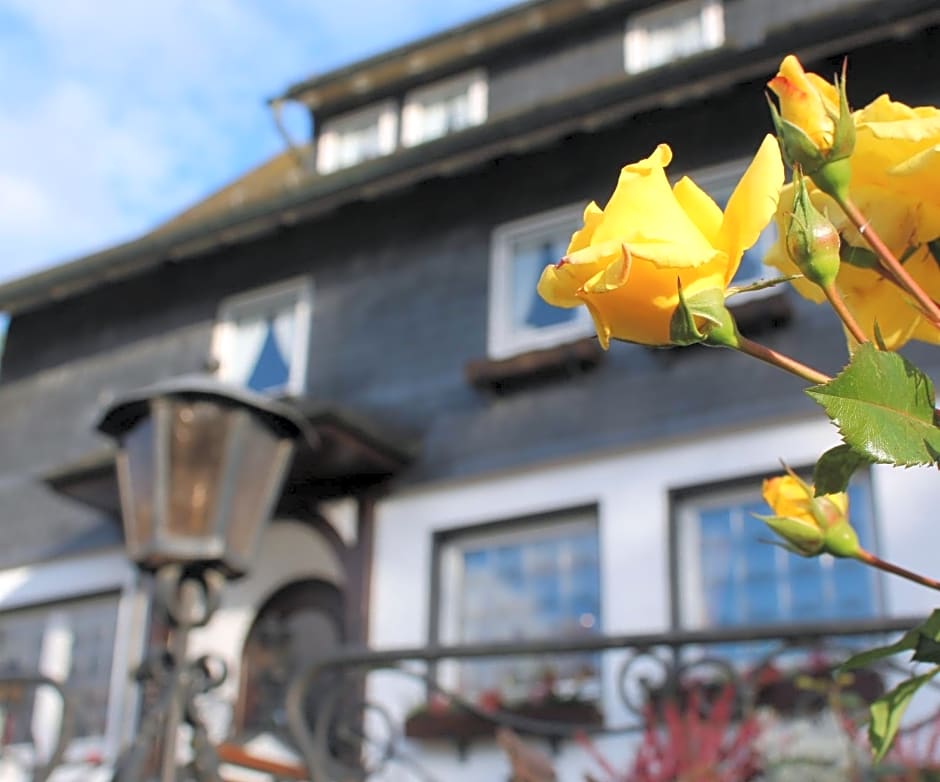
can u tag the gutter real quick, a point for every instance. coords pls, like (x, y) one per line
(582, 113)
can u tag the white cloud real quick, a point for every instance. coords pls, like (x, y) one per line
(114, 114)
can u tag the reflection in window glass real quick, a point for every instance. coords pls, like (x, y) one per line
(672, 31)
(525, 582)
(520, 319)
(738, 578)
(76, 638)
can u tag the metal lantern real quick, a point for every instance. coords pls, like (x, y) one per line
(200, 467)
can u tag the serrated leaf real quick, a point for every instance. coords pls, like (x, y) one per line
(887, 711)
(884, 408)
(835, 468)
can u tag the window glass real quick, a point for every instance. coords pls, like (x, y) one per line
(528, 581)
(672, 31)
(74, 640)
(520, 319)
(356, 137)
(731, 575)
(445, 107)
(262, 339)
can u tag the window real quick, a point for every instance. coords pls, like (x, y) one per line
(519, 320)
(672, 31)
(361, 135)
(534, 579)
(730, 575)
(261, 338)
(719, 182)
(73, 640)
(444, 107)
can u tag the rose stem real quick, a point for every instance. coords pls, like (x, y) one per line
(870, 559)
(791, 365)
(894, 267)
(838, 304)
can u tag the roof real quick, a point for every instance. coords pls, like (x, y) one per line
(284, 191)
(473, 40)
(276, 176)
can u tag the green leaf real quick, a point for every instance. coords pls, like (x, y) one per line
(905, 643)
(835, 468)
(884, 408)
(929, 629)
(762, 284)
(934, 246)
(927, 651)
(887, 711)
(683, 330)
(859, 257)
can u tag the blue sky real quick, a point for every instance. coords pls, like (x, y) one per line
(116, 114)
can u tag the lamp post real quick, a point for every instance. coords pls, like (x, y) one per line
(200, 468)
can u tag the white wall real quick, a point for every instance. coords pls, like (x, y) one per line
(631, 491)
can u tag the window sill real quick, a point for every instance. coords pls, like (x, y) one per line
(452, 723)
(509, 374)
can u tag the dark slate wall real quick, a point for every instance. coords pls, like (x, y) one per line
(400, 307)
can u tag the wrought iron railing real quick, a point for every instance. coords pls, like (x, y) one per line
(351, 732)
(352, 735)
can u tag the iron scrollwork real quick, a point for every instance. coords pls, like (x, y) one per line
(189, 599)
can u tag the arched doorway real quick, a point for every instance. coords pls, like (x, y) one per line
(299, 622)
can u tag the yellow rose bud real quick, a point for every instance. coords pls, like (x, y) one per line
(810, 525)
(814, 125)
(628, 262)
(896, 185)
(807, 101)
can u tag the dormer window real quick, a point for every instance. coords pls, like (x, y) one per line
(261, 338)
(672, 31)
(444, 107)
(360, 135)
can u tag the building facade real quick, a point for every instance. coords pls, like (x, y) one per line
(499, 477)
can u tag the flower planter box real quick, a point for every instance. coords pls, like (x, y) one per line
(456, 724)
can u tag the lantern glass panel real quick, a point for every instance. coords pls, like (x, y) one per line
(261, 464)
(198, 434)
(136, 464)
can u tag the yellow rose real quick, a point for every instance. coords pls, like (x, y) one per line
(895, 183)
(791, 498)
(810, 525)
(627, 262)
(806, 100)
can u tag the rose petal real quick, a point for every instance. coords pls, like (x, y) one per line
(752, 204)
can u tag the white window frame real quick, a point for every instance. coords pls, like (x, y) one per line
(691, 606)
(637, 56)
(472, 83)
(503, 338)
(45, 585)
(721, 178)
(296, 292)
(384, 115)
